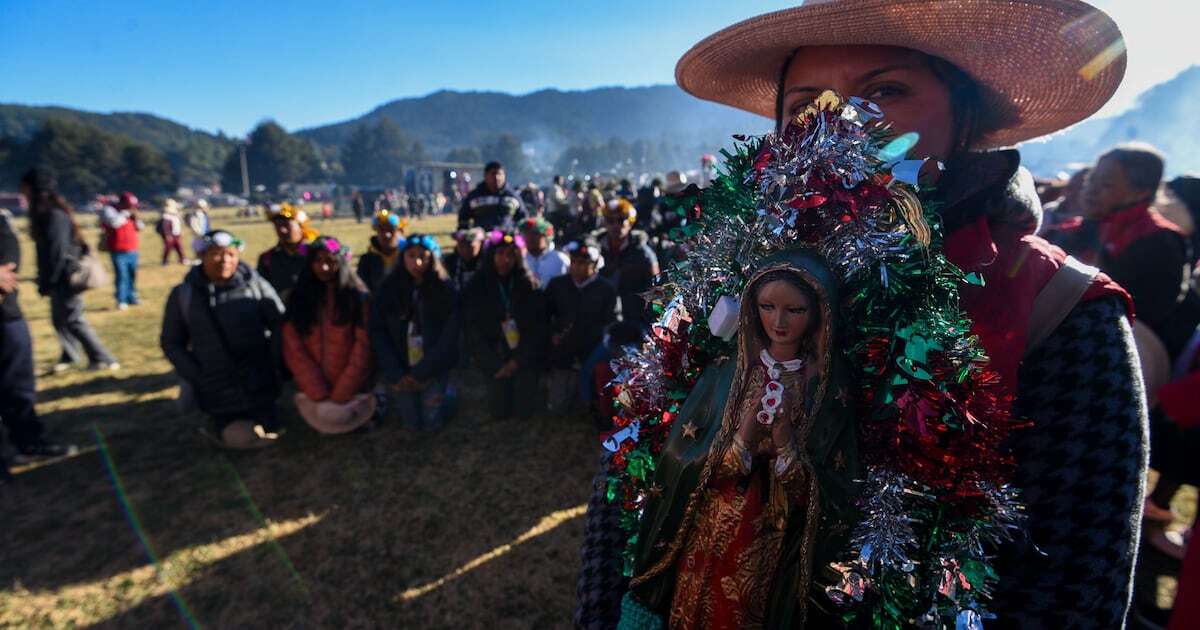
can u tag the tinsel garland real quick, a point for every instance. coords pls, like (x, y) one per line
(934, 501)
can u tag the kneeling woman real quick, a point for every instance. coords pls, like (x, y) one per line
(762, 455)
(506, 327)
(325, 344)
(414, 331)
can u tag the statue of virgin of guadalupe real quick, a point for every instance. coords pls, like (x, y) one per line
(754, 486)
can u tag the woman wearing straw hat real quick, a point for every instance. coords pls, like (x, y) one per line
(970, 77)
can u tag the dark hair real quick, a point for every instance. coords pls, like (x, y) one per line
(44, 199)
(435, 271)
(492, 166)
(520, 272)
(794, 280)
(971, 119)
(1187, 188)
(305, 301)
(1143, 165)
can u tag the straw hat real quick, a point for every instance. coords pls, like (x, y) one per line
(1046, 64)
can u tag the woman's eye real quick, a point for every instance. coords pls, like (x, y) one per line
(797, 311)
(885, 91)
(767, 307)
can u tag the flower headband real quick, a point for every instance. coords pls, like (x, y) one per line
(329, 244)
(497, 238)
(289, 212)
(217, 238)
(473, 235)
(538, 225)
(591, 251)
(624, 209)
(423, 240)
(396, 221)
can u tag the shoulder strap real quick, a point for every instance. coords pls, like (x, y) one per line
(1057, 299)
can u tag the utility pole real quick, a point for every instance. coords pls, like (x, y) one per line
(245, 171)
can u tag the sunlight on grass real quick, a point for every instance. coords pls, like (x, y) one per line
(94, 602)
(547, 523)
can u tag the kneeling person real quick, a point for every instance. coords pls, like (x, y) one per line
(217, 332)
(325, 344)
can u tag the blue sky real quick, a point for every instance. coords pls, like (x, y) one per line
(221, 64)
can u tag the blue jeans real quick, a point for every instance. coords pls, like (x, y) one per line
(125, 265)
(426, 409)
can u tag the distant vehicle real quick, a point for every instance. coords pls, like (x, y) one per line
(226, 199)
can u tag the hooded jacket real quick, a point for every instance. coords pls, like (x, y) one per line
(240, 378)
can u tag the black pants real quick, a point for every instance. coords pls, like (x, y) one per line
(74, 333)
(516, 395)
(17, 384)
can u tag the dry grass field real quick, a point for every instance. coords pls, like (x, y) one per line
(477, 525)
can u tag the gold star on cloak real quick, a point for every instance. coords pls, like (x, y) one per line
(689, 430)
(654, 491)
(839, 462)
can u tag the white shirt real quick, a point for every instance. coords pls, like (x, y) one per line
(550, 265)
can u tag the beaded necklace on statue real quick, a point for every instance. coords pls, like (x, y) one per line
(773, 390)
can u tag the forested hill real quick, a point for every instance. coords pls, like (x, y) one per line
(548, 122)
(196, 156)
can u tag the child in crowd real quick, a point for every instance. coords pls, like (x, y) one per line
(543, 260)
(384, 251)
(463, 262)
(325, 344)
(506, 323)
(281, 265)
(414, 332)
(581, 305)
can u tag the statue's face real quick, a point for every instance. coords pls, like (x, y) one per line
(784, 312)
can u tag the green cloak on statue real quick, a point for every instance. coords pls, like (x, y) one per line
(814, 520)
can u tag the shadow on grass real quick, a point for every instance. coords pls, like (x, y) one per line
(398, 510)
(110, 383)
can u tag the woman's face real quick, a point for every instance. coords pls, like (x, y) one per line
(387, 233)
(784, 312)
(416, 261)
(506, 260)
(219, 263)
(325, 266)
(289, 232)
(899, 80)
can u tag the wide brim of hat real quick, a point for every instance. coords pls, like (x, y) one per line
(1044, 64)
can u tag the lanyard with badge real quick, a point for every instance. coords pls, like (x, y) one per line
(416, 343)
(512, 336)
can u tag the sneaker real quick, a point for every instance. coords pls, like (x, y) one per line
(104, 366)
(122, 306)
(61, 366)
(43, 449)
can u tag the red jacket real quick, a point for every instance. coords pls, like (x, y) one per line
(123, 238)
(330, 362)
(1015, 266)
